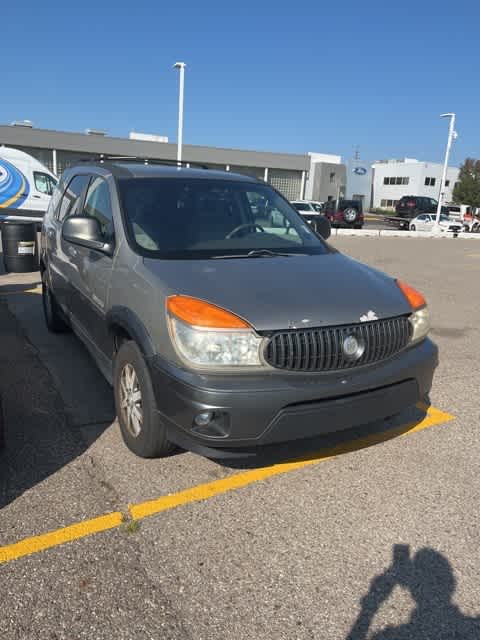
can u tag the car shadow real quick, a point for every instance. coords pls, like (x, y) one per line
(429, 578)
(55, 402)
(329, 445)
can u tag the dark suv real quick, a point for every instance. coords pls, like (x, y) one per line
(220, 327)
(411, 206)
(347, 213)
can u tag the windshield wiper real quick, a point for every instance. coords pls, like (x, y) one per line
(257, 253)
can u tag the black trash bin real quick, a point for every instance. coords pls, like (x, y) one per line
(19, 244)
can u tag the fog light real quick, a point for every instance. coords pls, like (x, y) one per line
(203, 419)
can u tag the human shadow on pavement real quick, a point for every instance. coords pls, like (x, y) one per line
(429, 578)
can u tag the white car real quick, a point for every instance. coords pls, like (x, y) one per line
(308, 206)
(426, 221)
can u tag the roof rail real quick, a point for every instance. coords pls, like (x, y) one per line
(162, 161)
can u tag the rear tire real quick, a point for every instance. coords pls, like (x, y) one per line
(52, 312)
(350, 215)
(141, 427)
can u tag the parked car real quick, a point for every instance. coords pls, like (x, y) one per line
(312, 213)
(345, 213)
(458, 211)
(426, 221)
(219, 331)
(409, 207)
(308, 206)
(465, 214)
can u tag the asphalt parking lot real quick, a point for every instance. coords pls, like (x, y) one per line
(370, 534)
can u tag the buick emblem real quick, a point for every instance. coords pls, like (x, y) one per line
(352, 348)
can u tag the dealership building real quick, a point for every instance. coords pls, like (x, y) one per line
(393, 179)
(292, 174)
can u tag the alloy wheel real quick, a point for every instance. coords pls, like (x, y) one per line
(131, 400)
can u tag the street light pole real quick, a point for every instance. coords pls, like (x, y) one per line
(452, 134)
(181, 66)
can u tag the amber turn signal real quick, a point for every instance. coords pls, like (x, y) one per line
(203, 314)
(414, 297)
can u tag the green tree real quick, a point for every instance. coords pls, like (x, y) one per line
(467, 189)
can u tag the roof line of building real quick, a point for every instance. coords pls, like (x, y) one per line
(81, 142)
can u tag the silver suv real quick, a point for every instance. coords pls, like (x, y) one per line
(221, 319)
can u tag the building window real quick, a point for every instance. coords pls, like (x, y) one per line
(396, 180)
(430, 182)
(388, 204)
(447, 183)
(332, 177)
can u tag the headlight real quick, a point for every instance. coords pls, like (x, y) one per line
(420, 321)
(420, 317)
(208, 336)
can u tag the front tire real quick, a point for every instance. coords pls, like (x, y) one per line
(53, 315)
(142, 429)
(413, 227)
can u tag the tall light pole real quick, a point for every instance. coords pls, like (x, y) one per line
(181, 66)
(452, 134)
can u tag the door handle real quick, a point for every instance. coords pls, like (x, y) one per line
(72, 251)
(37, 196)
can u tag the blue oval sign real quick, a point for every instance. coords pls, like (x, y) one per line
(360, 171)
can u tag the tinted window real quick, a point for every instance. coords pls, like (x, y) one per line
(98, 205)
(44, 183)
(71, 197)
(190, 219)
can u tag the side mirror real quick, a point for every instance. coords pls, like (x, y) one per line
(323, 227)
(85, 232)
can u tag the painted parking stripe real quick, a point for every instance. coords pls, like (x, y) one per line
(56, 538)
(109, 521)
(15, 292)
(239, 480)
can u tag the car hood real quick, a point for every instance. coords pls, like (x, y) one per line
(285, 292)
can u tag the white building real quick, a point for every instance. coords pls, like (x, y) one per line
(326, 179)
(393, 179)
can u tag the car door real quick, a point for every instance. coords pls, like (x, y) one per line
(60, 268)
(428, 224)
(94, 271)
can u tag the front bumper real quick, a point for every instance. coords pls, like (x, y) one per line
(271, 407)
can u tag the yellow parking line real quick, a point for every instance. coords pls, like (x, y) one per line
(60, 536)
(208, 490)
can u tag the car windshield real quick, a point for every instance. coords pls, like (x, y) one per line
(444, 219)
(302, 206)
(184, 218)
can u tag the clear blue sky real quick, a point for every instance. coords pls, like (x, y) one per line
(285, 76)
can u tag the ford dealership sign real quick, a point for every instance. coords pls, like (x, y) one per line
(360, 171)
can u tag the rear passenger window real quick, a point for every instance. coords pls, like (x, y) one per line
(98, 205)
(71, 197)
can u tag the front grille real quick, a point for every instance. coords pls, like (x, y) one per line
(322, 349)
